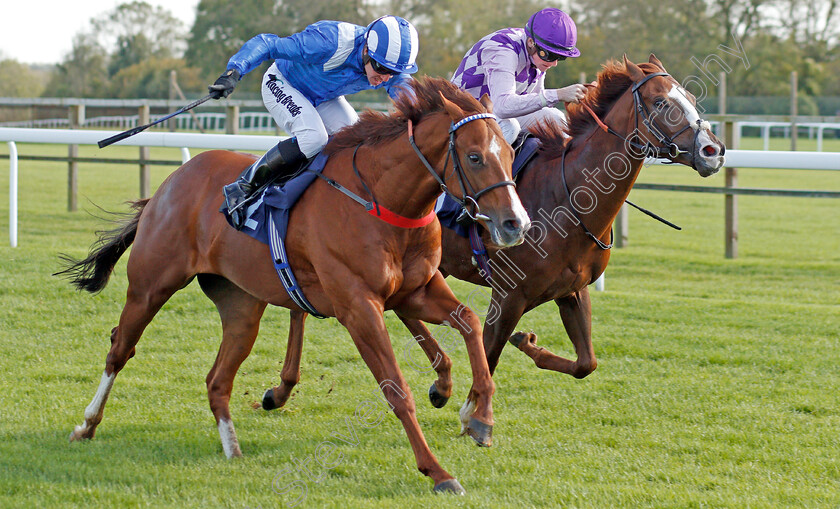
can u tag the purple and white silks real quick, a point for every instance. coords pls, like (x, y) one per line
(499, 65)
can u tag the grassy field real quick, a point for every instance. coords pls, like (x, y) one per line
(717, 383)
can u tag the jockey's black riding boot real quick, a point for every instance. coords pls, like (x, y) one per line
(273, 163)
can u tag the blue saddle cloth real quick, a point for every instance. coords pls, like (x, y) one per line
(267, 220)
(448, 209)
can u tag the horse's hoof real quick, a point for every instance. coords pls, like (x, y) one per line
(450, 486)
(268, 400)
(80, 433)
(519, 338)
(436, 398)
(480, 432)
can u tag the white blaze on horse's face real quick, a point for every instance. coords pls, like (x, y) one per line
(496, 148)
(519, 211)
(678, 95)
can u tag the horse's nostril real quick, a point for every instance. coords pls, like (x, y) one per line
(710, 151)
(512, 225)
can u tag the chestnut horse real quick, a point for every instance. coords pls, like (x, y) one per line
(349, 263)
(572, 189)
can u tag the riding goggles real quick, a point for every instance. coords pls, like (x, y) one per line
(381, 69)
(548, 56)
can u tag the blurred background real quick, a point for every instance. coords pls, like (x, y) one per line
(129, 50)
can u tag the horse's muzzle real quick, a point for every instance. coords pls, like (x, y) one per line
(708, 154)
(508, 231)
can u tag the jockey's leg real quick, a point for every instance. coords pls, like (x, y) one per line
(544, 115)
(297, 116)
(510, 129)
(337, 114)
(285, 154)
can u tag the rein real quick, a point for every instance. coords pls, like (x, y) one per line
(589, 234)
(373, 207)
(470, 196)
(669, 149)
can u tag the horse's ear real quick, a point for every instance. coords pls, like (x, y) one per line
(455, 113)
(655, 61)
(486, 102)
(634, 71)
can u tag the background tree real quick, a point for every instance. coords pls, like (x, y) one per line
(83, 72)
(220, 29)
(145, 43)
(136, 31)
(20, 80)
(131, 49)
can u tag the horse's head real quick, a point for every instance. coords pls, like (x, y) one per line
(480, 175)
(667, 121)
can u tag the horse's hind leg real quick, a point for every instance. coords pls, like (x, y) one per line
(144, 299)
(441, 389)
(576, 312)
(241, 314)
(277, 396)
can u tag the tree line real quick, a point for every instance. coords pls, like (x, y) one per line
(129, 52)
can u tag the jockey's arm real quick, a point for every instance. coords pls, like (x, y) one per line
(501, 82)
(399, 84)
(310, 46)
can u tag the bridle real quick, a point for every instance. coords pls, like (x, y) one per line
(469, 195)
(668, 149)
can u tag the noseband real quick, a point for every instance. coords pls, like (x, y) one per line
(668, 148)
(469, 195)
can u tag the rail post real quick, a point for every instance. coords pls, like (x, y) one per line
(145, 155)
(621, 227)
(13, 193)
(76, 118)
(232, 119)
(731, 179)
(173, 94)
(794, 109)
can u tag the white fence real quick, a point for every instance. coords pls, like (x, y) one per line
(184, 141)
(262, 121)
(734, 158)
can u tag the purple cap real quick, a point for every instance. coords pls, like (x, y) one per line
(554, 31)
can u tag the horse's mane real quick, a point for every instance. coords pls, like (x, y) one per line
(375, 127)
(613, 81)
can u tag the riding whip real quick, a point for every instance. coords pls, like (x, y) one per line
(131, 132)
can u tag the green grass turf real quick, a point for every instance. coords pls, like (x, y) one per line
(717, 383)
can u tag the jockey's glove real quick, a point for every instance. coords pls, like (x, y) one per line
(224, 86)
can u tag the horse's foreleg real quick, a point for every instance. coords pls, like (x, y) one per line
(437, 304)
(441, 389)
(240, 313)
(366, 325)
(142, 303)
(277, 396)
(576, 312)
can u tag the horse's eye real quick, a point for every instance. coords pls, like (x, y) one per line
(474, 158)
(660, 103)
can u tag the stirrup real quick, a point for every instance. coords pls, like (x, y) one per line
(236, 198)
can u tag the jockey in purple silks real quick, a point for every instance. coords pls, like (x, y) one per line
(509, 65)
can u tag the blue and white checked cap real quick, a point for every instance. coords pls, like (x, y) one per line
(393, 42)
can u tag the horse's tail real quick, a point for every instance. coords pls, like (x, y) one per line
(93, 272)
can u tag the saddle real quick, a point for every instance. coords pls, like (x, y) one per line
(267, 220)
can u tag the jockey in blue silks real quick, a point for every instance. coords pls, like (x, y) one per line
(304, 88)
